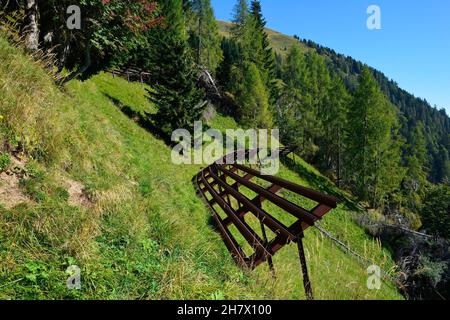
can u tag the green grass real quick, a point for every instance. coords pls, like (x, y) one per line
(146, 235)
(281, 43)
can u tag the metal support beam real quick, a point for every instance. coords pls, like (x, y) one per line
(304, 267)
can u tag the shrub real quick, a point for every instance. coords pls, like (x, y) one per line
(5, 161)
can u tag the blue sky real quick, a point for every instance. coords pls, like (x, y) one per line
(412, 48)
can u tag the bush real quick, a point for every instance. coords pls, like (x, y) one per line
(436, 211)
(5, 161)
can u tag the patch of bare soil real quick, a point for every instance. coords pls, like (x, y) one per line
(10, 192)
(77, 193)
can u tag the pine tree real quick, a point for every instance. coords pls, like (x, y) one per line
(293, 116)
(415, 181)
(372, 165)
(252, 97)
(248, 79)
(307, 83)
(231, 56)
(265, 58)
(174, 18)
(334, 119)
(204, 34)
(240, 19)
(173, 81)
(435, 212)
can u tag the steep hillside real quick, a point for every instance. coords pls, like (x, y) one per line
(94, 189)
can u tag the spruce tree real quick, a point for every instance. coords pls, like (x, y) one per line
(248, 80)
(173, 82)
(265, 56)
(240, 19)
(204, 34)
(307, 82)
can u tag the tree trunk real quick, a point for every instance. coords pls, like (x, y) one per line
(339, 155)
(81, 69)
(31, 28)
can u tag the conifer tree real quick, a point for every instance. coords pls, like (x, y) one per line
(174, 89)
(292, 114)
(435, 212)
(247, 81)
(307, 83)
(265, 56)
(372, 166)
(415, 181)
(252, 97)
(240, 19)
(231, 57)
(204, 34)
(334, 118)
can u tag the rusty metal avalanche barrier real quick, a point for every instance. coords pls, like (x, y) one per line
(224, 186)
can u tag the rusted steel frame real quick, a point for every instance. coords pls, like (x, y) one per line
(277, 244)
(322, 209)
(234, 169)
(225, 194)
(276, 226)
(231, 243)
(252, 238)
(235, 185)
(222, 192)
(304, 269)
(280, 241)
(299, 227)
(258, 199)
(306, 192)
(266, 240)
(290, 207)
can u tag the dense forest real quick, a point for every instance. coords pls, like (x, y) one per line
(373, 139)
(413, 110)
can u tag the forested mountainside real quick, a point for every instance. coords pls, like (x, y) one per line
(413, 109)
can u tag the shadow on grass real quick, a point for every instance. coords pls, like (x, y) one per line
(142, 119)
(211, 222)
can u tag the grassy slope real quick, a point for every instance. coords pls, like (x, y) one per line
(280, 42)
(146, 235)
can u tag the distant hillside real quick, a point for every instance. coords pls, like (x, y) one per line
(281, 43)
(412, 109)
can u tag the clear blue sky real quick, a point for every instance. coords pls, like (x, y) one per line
(412, 48)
